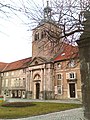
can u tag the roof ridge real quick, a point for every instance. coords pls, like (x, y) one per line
(20, 60)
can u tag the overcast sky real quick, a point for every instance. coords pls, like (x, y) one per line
(15, 39)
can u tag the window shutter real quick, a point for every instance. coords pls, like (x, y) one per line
(55, 89)
(67, 75)
(75, 75)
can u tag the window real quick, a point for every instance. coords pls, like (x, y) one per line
(24, 70)
(12, 73)
(7, 73)
(43, 34)
(20, 82)
(2, 74)
(71, 75)
(72, 63)
(6, 83)
(37, 36)
(59, 76)
(20, 71)
(59, 65)
(24, 82)
(12, 82)
(59, 89)
(17, 82)
(2, 83)
(59, 79)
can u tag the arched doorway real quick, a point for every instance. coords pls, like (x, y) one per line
(37, 90)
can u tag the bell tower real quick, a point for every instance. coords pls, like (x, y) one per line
(41, 44)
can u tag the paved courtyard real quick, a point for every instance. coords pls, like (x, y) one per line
(73, 114)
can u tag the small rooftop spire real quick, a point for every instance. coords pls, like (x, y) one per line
(47, 3)
(47, 12)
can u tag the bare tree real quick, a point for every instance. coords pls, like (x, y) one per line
(68, 14)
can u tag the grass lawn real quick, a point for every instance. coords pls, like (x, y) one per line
(37, 109)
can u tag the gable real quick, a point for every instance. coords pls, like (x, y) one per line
(37, 60)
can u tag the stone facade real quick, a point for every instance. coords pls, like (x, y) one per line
(13, 83)
(56, 80)
(59, 79)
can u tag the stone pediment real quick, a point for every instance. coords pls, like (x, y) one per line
(37, 61)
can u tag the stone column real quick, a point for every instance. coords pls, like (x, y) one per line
(84, 51)
(26, 76)
(41, 89)
(31, 84)
(41, 85)
(44, 84)
(28, 83)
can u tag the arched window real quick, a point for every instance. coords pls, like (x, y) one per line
(36, 63)
(36, 36)
(43, 34)
(37, 77)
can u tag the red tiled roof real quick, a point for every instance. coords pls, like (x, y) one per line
(68, 52)
(17, 64)
(2, 66)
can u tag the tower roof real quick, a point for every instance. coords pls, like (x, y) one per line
(47, 12)
(47, 9)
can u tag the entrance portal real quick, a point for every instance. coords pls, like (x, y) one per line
(72, 90)
(37, 90)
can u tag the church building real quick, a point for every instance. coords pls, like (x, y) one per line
(53, 71)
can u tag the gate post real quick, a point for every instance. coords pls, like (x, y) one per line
(84, 54)
(84, 51)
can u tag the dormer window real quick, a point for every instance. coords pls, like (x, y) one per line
(59, 65)
(72, 63)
